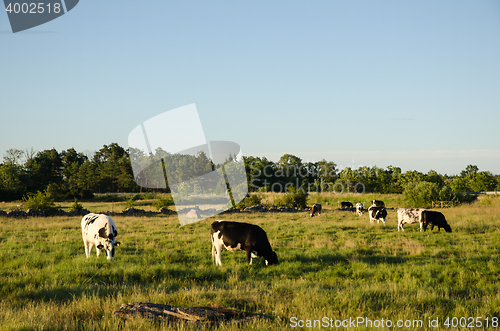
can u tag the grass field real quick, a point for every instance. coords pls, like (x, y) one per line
(337, 266)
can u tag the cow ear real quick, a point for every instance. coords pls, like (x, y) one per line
(100, 246)
(118, 243)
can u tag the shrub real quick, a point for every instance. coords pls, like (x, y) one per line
(76, 205)
(464, 197)
(423, 193)
(39, 201)
(149, 196)
(250, 200)
(130, 202)
(164, 201)
(294, 198)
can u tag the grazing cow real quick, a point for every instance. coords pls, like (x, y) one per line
(235, 236)
(378, 203)
(316, 209)
(346, 205)
(409, 216)
(99, 230)
(434, 218)
(377, 214)
(359, 209)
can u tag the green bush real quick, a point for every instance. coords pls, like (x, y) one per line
(465, 198)
(76, 205)
(39, 201)
(294, 198)
(149, 196)
(422, 194)
(250, 200)
(164, 201)
(130, 203)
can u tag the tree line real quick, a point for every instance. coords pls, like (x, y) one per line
(70, 174)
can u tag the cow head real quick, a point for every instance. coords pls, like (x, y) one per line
(273, 259)
(107, 241)
(109, 247)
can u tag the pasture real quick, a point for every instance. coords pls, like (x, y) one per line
(337, 266)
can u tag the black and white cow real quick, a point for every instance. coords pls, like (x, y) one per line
(346, 205)
(434, 218)
(316, 208)
(377, 214)
(378, 203)
(99, 230)
(359, 209)
(409, 216)
(235, 236)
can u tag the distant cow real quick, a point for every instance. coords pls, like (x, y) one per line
(359, 209)
(346, 205)
(235, 236)
(378, 203)
(409, 216)
(377, 214)
(434, 218)
(316, 209)
(99, 230)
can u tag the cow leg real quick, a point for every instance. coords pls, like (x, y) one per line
(213, 252)
(218, 253)
(217, 248)
(88, 247)
(249, 256)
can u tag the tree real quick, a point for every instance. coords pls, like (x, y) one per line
(289, 160)
(391, 181)
(411, 176)
(421, 194)
(260, 173)
(433, 177)
(10, 177)
(112, 151)
(71, 162)
(470, 170)
(327, 171)
(43, 169)
(348, 178)
(483, 181)
(460, 184)
(13, 156)
(471, 179)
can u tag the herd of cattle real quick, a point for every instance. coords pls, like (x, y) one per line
(100, 230)
(378, 212)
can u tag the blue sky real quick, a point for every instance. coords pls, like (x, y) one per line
(360, 83)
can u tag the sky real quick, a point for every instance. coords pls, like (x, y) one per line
(361, 83)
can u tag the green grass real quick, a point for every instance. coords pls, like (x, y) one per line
(336, 266)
